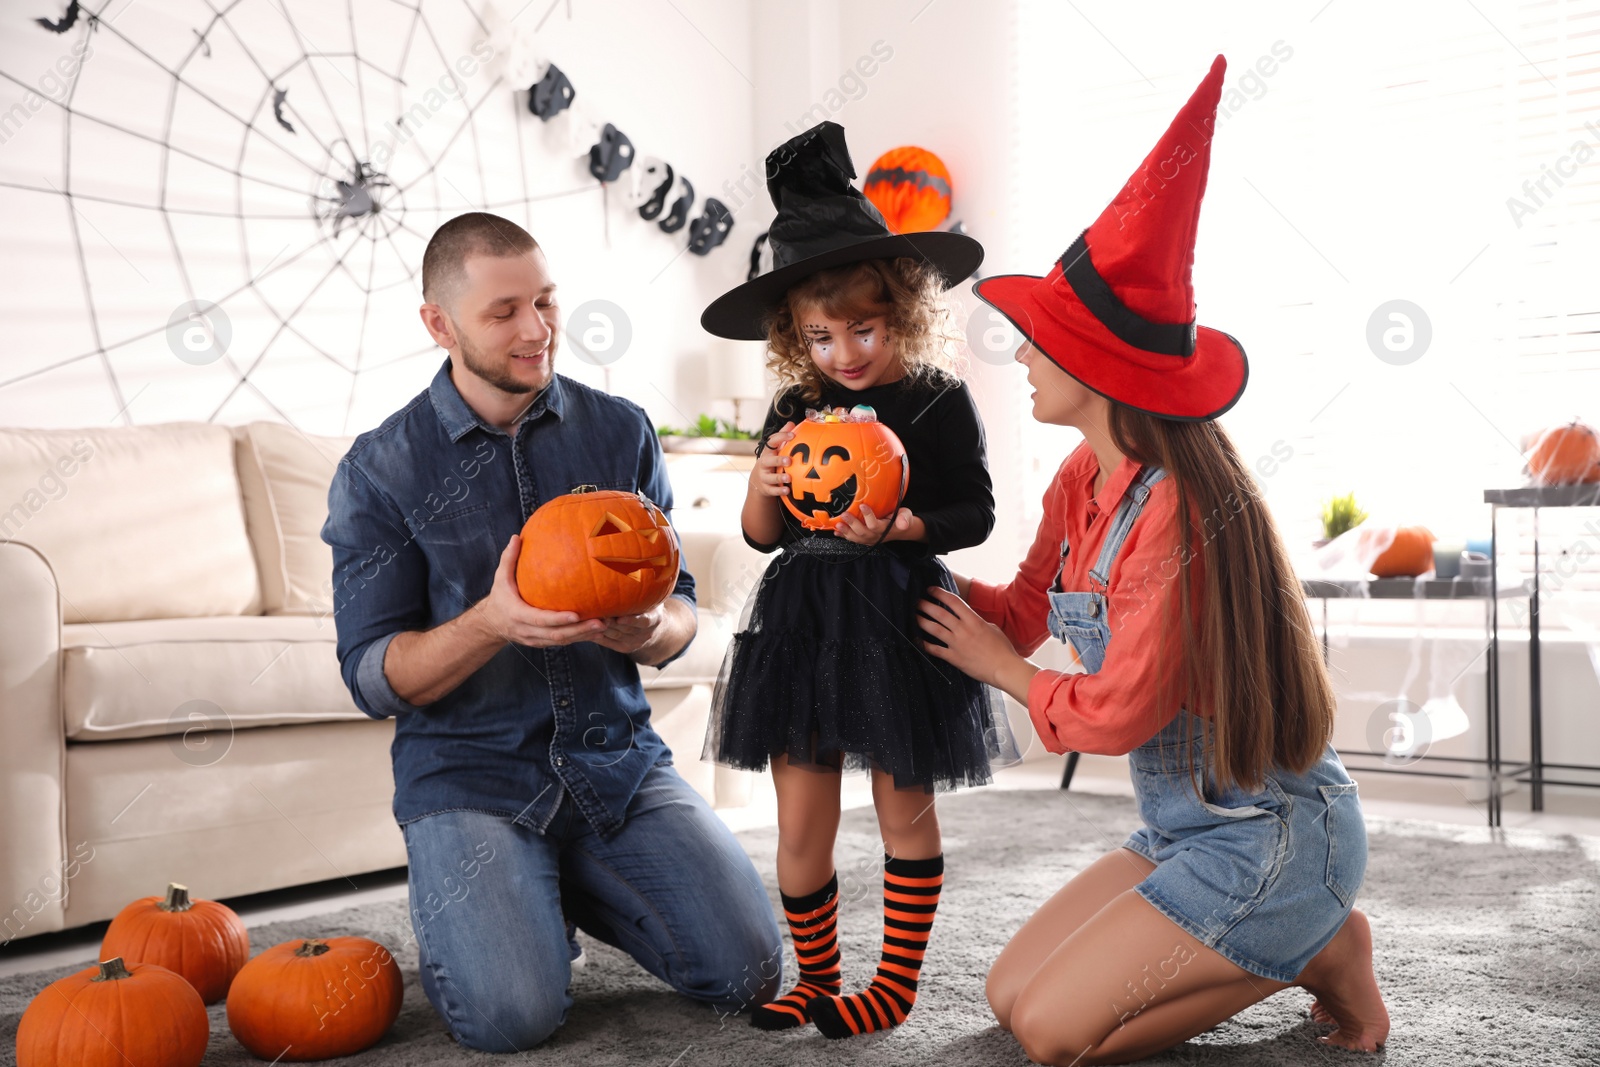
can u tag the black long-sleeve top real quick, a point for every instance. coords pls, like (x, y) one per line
(936, 419)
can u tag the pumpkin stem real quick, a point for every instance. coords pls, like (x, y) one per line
(111, 970)
(312, 947)
(586, 489)
(177, 898)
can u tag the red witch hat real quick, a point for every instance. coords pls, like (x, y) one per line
(1117, 311)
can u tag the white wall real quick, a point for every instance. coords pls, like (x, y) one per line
(87, 343)
(947, 86)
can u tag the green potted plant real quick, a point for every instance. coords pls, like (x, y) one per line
(1340, 515)
(707, 435)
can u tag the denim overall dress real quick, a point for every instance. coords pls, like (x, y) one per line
(1265, 878)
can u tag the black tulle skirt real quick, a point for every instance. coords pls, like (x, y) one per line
(828, 668)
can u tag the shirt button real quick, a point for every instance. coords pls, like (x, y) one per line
(560, 761)
(562, 702)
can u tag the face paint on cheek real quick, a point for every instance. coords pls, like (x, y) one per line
(819, 345)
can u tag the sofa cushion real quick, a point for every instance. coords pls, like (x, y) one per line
(140, 522)
(166, 676)
(285, 476)
(700, 663)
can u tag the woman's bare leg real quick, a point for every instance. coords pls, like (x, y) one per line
(1073, 905)
(1130, 982)
(1346, 987)
(808, 823)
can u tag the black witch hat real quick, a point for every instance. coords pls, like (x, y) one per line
(823, 221)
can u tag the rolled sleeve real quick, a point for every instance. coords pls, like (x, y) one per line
(689, 600)
(380, 586)
(657, 486)
(370, 685)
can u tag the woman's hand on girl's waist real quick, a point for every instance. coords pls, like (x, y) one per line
(977, 648)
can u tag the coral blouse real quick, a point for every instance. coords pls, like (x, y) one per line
(1118, 708)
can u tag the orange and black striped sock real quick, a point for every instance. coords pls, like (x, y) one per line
(910, 898)
(813, 921)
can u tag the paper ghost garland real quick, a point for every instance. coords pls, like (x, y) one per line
(610, 155)
(679, 214)
(660, 193)
(711, 228)
(551, 94)
(760, 257)
(652, 181)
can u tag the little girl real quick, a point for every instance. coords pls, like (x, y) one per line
(1161, 566)
(826, 673)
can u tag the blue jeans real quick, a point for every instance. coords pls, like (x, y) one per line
(490, 898)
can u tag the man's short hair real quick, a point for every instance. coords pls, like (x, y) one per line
(477, 233)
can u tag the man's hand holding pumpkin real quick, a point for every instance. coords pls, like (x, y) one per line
(504, 614)
(629, 633)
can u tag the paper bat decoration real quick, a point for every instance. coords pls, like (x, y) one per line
(278, 97)
(67, 21)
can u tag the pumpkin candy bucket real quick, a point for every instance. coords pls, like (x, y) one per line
(598, 553)
(839, 462)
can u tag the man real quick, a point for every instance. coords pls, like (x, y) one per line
(529, 785)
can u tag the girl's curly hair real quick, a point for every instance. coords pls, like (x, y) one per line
(908, 292)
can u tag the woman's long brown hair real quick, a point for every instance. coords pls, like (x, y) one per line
(1253, 665)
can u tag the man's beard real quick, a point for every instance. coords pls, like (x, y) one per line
(496, 374)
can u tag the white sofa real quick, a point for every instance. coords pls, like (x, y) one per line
(170, 703)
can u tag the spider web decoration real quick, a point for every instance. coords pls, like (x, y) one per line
(283, 162)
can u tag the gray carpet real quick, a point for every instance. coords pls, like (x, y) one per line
(1488, 952)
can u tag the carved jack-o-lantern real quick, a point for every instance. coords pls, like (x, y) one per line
(838, 464)
(598, 553)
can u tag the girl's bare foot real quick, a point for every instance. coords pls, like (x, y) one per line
(1342, 980)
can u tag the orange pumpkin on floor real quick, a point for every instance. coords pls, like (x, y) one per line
(1565, 455)
(598, 553)
(1410, 554)
(837, 464)
(115, 1015)
(200, 939)
(910, 187)
(315, 999)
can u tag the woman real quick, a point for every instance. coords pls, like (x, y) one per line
(1162, 568)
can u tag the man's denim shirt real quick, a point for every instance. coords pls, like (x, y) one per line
(418, 514)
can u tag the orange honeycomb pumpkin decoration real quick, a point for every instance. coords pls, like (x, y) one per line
(910, 187)
(597, 552)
